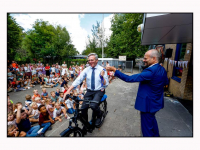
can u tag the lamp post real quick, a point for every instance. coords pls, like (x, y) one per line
(102, 37)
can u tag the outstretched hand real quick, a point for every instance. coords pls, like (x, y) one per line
(111, 68)
(102, 73)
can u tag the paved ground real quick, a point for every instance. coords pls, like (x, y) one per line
(122, 119)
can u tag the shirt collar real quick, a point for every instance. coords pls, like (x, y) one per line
(94, 67)
(153, 64)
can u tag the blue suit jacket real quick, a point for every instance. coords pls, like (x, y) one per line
(152, 80)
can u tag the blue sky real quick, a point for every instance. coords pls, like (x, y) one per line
(79, 25)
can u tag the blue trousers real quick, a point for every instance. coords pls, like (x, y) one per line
(70, 110)
(45, 126)
(149, 124)
(33, 131)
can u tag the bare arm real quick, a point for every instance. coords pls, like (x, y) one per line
(68, 91)
(19, 107)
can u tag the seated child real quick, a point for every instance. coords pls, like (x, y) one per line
(54, 98)
(61, 101)
(45, 119)
(35, 80)
(12, 119)
(49, 107)
(35, 94)
(57, 92)
(24, 124)
(70, 105)
(39, 101)
(10, 106)
(14, 132)
(58, 111)
(28, 100)
(65, 82)
(44, 94)
(66, 88)
(34, 114)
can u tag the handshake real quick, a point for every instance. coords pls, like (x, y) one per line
(111, 69)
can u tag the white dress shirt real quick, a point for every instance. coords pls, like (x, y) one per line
(87, 73)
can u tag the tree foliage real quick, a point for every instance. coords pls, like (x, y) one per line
(125, 39)
(14, 37)
(46, 40)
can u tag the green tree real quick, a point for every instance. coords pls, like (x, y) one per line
(125, 39)
(46, 40)
(14, 37)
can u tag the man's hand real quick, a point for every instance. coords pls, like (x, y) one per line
(102, 73)
(52, 121)
(19, 107)
(111, 69)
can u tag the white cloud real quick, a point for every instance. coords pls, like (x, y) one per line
(107, 25)
(70, 21)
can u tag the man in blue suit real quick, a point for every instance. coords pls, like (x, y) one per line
(150, 97)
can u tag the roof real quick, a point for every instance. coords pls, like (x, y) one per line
(167, 28)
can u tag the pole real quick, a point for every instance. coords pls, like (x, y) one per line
(102, 37)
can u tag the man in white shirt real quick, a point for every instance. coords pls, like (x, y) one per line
(97, 81)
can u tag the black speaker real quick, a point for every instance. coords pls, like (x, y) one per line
(168, 53)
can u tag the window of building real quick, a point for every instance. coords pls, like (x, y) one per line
(180, 53)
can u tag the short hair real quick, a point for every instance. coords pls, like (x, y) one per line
(43, 89)
(52, 92)
(33, 103)
(35, 90)
(155, 53)
(28, 97)
(61, 93)
(93, 54)
(37, 98)
(57, 103)
(41, 107)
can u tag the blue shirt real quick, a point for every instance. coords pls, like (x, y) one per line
(87, 73)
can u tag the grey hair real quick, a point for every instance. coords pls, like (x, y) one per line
(93, 54)
(155, 53)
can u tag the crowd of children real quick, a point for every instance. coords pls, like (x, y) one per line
(44, 108)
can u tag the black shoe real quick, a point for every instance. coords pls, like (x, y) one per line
(50, 128)
(40, 135)
(98, 121)
(84, 130)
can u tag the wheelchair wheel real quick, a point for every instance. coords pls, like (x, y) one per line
(103, 108)
(74, 133)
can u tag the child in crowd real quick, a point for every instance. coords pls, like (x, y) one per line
(49, 107)
(10, 87)
(66, 88)
(42, 82)
(61, 100)
(65, 82)
(84, 87)
(70, 105)
(24, 124)
(35, 94)
(12, 119)
(57, 92)
(58, 111)
(34, 113)
(14, 132)
(54, 98)
(35, 80)
(28, 100)
(44, 94)
(45, 119)
(10, 106)
(39, 101)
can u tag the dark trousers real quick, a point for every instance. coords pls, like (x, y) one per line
(149, 124)
(93, 96)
